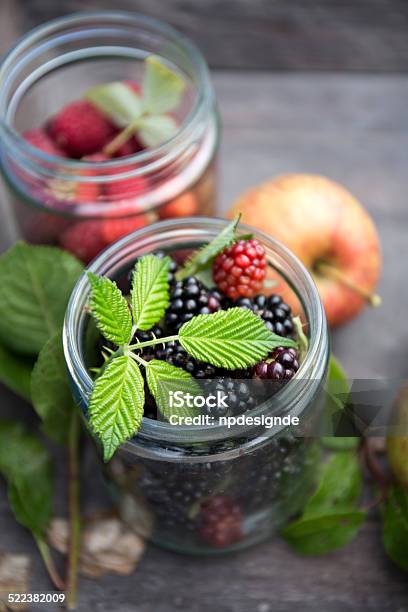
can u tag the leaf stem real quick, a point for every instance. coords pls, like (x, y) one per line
(74, 510)
(121, 138)
(139, 359)
(153, 342)
(49, 563)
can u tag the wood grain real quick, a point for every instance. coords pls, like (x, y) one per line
(265, 34)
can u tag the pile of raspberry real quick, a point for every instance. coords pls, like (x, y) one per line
(80, 131)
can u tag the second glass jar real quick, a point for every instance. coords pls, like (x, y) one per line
(84, 206)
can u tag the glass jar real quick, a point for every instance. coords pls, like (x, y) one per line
(84, 206)
(167, 477)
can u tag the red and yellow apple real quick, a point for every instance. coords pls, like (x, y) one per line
(328, 229)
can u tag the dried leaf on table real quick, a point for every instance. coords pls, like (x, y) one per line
(15, 573)
(107, 545)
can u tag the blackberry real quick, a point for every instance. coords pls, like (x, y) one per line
(221, 521)
(282, 365)
(273, 310)
(239, 397)
(145, 336)
(175, 355)
(189, 298)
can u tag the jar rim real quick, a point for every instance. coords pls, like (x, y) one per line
(166, 151)
(308, 377)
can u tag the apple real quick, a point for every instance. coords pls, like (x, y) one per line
(397, 439)
(330, 232)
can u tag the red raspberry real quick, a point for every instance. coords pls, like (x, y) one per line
(239, 270)
(222, 520)
(40, 139)
(81, 129)
(125, 189)
(86, 239)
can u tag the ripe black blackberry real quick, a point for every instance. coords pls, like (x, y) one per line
(281, 365)
(273, 310)
(145, 336)
(239, 397)
(175, 355)
(189, 298)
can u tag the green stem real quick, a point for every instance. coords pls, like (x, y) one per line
(139, 359)
(74, 510)
(140, 345)
(121, 138)
(49, 563)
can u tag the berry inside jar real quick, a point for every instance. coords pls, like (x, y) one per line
(112, 168)
(180, 325)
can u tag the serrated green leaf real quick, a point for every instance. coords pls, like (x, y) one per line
(395, 526)
(153, 130)
(203, 258)
(162, 87)
(35, 285)
(110, 310)
(164, 380)
(150, 290)
(340, 484)
(323, 533)
(50, 391)
(15, 372)
(27, 467)
(117, 101)
(117, 402)
(337, 393)
(233, 338)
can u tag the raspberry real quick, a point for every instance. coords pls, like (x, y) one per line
(221, 521)
(81, 129)
(40, 139)
(86, 239)
(127, 188)
(239, 270)
(282, 365)
(185, 205)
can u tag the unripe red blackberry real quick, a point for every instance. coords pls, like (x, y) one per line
(221, 521)
(239, 270)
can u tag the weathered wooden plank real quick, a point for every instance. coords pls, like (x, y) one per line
(278, 35)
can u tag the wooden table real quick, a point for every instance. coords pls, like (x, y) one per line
(353, 129)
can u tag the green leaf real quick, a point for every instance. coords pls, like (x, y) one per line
(395, 526)
(301, 338)
(117, 402)
(338, 391)
(233, 338)
(150, 290)
(162, 87)
(164, 379)
(26, 465)
(117, 101)
(153, 130)
(15, 372)
(323, 533)
(35, 285)
(331, 517)
(110, 310)
(340, 483)
(203, 258)
(50, 391)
